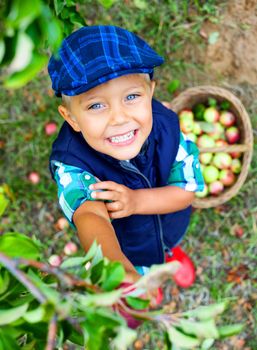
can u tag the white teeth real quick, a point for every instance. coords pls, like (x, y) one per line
(117, 139)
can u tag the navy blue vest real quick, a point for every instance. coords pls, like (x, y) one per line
(143, 238)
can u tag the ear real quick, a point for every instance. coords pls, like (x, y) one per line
(152, 87)
(65, 113)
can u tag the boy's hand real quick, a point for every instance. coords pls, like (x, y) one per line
(123, 198)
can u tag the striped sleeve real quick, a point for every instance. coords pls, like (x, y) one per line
(73, 187)
(186, 172)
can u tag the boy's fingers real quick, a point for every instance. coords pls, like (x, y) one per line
(105, 195)
(105, 185)
(114, 206)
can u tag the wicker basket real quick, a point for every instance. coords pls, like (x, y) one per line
(200, 94)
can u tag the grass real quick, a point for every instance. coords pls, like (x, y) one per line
(226, 264)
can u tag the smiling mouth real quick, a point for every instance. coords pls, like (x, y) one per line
(123, 139)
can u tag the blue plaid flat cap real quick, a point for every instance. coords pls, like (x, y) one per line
(93, 55)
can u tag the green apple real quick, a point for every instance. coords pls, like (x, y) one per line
(222, 160)
(205, 158)
(202, 194)
(210, 174)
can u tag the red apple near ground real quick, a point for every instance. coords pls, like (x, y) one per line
(55, 260)
(236, 166)
(227, 118)
(205, 141)
(205, 158)
(50, 128)
(232, 134)
(210, 174)
(227, 177)
(211, 115)
(216, 187)
(34, 177)
(70, 248)
(222, 160)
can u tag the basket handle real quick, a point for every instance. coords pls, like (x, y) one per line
(228, 149)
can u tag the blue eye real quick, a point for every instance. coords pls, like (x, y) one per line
(132, 97)
(95, 106)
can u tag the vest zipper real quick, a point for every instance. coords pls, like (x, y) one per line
(131, 167)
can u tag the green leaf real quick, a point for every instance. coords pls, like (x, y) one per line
(23, 12)
(207, 312)
(206, 127)
(107, 3)
(198, 111)
(10, 315)
(92, 251)
(51, 29)
(35, 316)
(204, 329)
(7, 342)
(10, 44)
(115, 274)
(4, 281)
(17, 245)
(2, 49)
(173, 86)
(73, 262)
(229, 330)
(212, 102)
(137, 303)
(96, 272)
(50, 292)
(207, 343)
(140, 4)
(182, 340)
(3, 203)
(21, 78)
(58, 6)
(225, 105)
(100, 299)
(125, 337)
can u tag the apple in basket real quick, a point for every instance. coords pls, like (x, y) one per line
(186, 114)
(216, 187)
(205, 158)
(236, 166)
(205, 141)
(204, 193)
(210, 174)
(232, 134)
(211, 115)
(222, 160)
(227, 118)
(227, 177)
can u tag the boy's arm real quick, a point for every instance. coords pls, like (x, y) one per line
(93, 223)
(126, 202)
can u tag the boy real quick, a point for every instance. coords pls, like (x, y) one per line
(120, 154)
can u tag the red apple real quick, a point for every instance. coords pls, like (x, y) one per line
(34, 177)
(205, 158)
(202, 194)
(236, 166)
(227, 118)
(222, 160)
(210, 174)
(216, 187)
(55, 260)
(186, 114)
(227, 177)
(211, 115)
(205, 141)
(62, 223)
(232, 134)
(70, 248)
(50, 128)
(236, 154)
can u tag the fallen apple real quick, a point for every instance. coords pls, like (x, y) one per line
(222, 160)
(232, 134)
(55, 260)
(34, 177)
(227, 177)
(211, 115)
(210, 174)
(70, 248)
(50, 128)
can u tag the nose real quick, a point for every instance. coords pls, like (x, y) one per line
(119, 114)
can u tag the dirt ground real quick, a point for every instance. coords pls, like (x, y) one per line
(234, 54)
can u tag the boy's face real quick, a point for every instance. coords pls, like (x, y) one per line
(115, 118)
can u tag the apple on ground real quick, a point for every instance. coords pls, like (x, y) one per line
(236, 165)
(216, 187)
(186, 114)
(202, 194)
(70, 248)
(34, 177)
(205, 141)
(222, 160)
(211, 115)
(227, 177)
(61, 223)
(55, 260)
(205, 158)
(210, 173)
(218, 131)
(227, 118)
(232, 134)
(50, 128)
